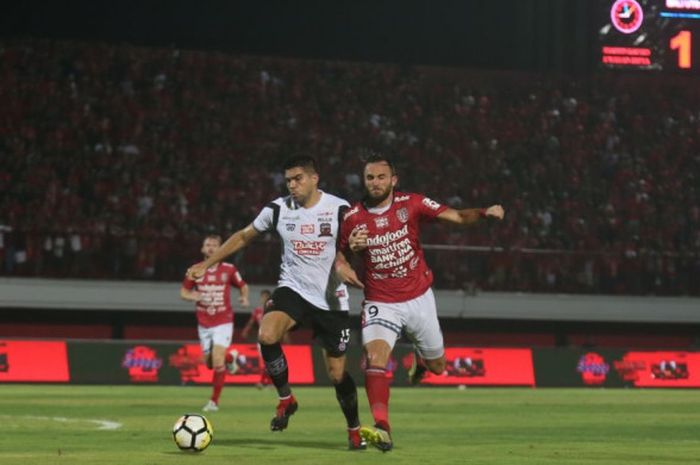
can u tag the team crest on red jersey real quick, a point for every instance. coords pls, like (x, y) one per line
(402, 215)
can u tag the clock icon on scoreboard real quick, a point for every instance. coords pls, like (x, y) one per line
(626, 16)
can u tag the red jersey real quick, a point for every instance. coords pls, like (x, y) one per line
(215, 307)
(395, 269)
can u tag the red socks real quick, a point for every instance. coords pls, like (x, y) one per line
(377, 387)
(218, 383)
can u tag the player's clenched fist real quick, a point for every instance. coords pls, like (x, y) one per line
(358, 239)
(496, 211)
(196, 271)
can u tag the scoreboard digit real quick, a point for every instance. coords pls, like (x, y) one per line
(661, 35)
(682, 42)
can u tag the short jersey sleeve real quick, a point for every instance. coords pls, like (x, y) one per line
(427, 208)
(267, 218)
(346, 226)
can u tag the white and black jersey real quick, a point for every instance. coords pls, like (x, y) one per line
(309, 240)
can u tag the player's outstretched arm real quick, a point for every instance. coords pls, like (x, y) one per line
(345, 272)
(233, 244)
(243, 297)
(190, 295)
(471, 215)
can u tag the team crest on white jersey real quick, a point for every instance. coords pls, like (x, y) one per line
(291, 227)
(325, 230)
(402, 215)
(381, 222)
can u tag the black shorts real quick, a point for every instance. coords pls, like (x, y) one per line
(331, 328)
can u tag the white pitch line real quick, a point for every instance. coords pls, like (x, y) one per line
(106, 425)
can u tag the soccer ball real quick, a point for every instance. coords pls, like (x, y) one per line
(193, 432)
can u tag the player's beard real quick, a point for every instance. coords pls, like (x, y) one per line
(376, 199)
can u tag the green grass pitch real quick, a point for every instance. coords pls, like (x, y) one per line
(52, 424)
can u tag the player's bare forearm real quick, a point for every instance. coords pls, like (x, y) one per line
(233, 244)
(243, 298)
(470, 216)
(190, 295)
(345, 271)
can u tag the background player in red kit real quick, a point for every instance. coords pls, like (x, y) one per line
(212, 294)
(254, 322)
(384, 230)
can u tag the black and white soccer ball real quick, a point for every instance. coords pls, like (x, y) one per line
(193, 432)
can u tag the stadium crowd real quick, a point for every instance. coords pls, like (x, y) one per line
(117, 159)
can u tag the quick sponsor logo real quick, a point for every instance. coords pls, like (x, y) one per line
(351, 212)
(433, 205)
(308, 247)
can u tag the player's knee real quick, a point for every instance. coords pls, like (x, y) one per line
(436, 366)
(267, 336)
(336, 375)
(377, 359)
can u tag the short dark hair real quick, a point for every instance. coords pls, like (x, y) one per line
(301, 161)
(371, 156)
(214, 236)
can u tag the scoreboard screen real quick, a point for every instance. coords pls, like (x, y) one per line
(659, 35)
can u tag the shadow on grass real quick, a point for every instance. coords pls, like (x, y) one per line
(261, 443)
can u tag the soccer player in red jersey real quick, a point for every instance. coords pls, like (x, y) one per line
(384, 230)
(212, 294)
(253, 322)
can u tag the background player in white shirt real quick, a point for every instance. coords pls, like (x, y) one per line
(211, 293)
(311, 287)
(384, 229)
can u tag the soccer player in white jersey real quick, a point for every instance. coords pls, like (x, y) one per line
(311, 288)
(384, 230)
(212, 296)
